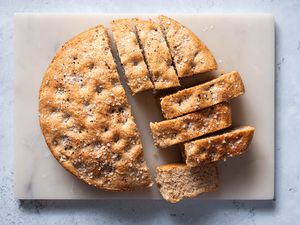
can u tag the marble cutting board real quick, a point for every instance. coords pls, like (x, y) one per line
(239, 42)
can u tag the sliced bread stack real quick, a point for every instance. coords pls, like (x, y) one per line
(192, 113)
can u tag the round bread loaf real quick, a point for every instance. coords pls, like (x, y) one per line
(86, 119)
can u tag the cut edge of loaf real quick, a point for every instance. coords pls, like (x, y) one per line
(232, 142)
(178, 181)
(220, 89)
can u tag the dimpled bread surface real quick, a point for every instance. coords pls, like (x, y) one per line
(223, 88)
(190, 54)
(86, 119)
(131, 55)
(157, 55)
(190, 126)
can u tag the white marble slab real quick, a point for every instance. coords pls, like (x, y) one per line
(243, 43)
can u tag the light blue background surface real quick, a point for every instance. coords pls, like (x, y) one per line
(284, 210)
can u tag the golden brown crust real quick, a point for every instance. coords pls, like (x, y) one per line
(190, 54)
(185, 128)
(157, 55)
(221, 89)
(131, 55)
(218, 147)
(178, 181)
(86, 119)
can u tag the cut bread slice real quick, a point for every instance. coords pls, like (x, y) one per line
(157, 55)
(223, 88)
(190, 54)
(215, 148)
(131, 56)
(86, 119)
(178, 181)
(188, 127)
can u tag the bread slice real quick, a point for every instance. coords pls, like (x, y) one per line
(221, 89)
(188, 127)
(157, 55)
(215, 148)
(190, 54)
(131, 56)
(178, 181)
(86, 119)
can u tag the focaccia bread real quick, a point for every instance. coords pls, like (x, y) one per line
(131, 56)
(178, 181)
(223, 88)
(188, 127)
(157, 55)
(215, 148)
(86, 119)
(190, 54)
